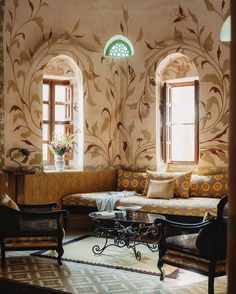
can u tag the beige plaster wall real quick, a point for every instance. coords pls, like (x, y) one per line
(119, 95)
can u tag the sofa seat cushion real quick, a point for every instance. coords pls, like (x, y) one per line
(83, 199)
(193, 206)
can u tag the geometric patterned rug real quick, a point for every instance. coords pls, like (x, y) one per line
(80, 250)
(82, 278)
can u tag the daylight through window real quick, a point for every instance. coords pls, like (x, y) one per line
(181, 122)
(57, 113)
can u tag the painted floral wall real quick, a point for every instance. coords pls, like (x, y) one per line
(58, 67)
(119, 95)
(178, 68)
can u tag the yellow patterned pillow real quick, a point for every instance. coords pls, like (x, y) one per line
(214, 186)
(161, 189)
(182, 181)
(5, 200)
(131, 181)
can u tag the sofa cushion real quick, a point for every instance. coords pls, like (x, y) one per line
(182, 181)
(194, 206)
(5, 200)
(161, 189)
(131, 180)
(83, 199)
(209, 186)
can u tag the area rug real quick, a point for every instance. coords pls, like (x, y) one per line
(80, 250)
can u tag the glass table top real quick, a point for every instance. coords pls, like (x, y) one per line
(116, 215)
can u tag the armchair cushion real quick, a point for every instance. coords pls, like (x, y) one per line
(5, 200)
(186, 242)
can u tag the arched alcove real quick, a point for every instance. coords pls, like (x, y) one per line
(63, 69)
(175, 68)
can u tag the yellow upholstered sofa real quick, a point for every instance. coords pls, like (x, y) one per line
(193, 195)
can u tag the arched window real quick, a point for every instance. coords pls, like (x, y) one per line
(178, 114)
(118, 47)
(63, 108)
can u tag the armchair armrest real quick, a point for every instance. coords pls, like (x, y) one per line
(42, 222)
(44, 215)
(38, 207)
(184, 226)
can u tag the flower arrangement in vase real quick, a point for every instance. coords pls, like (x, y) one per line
(59, 146)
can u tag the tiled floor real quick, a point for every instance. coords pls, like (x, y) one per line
(82, 278)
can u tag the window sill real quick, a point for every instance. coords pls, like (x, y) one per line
(181, 167)
(51, 169)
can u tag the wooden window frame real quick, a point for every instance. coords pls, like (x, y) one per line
(51, 122)
(166, 134)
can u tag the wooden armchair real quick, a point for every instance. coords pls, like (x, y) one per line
(31, 227)
(200, 247)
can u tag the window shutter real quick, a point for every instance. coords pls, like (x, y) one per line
(69, 103)
(196, 94)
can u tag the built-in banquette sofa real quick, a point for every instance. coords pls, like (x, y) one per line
(171, 194)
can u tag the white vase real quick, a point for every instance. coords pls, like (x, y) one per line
(59, 162)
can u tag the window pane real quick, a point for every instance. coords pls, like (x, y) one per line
(45, 151)
(46, 92)
(59, 130)
(182, 143)
(60, 112)
(182, 104)
(45, 132)
(60, 93)
(45, 112)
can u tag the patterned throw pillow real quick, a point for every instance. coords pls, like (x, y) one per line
(214, 186)
(5, 200)
(131, 181)
(182, 182)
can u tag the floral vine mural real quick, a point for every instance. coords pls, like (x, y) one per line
(119, 96)
(214, 79)
(178, 68)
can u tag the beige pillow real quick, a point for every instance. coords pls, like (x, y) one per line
(5, 200)
(182, 181)
(161, 189)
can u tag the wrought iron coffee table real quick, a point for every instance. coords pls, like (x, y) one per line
(123, 229)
